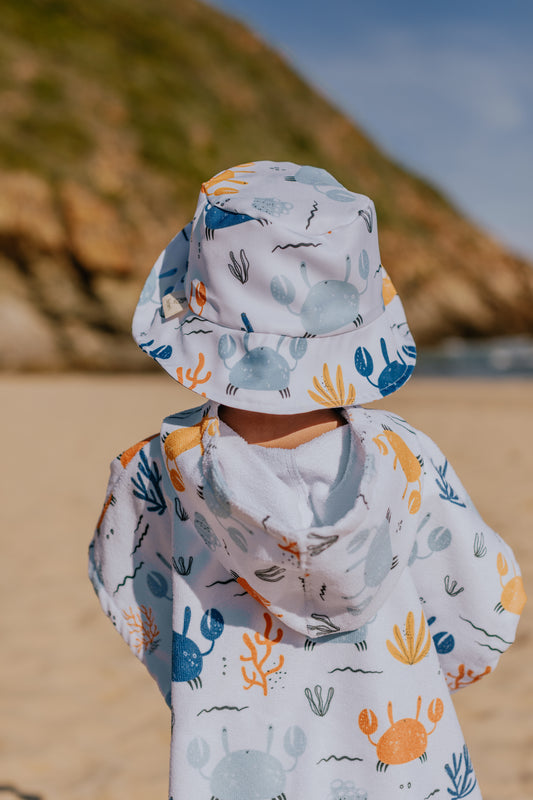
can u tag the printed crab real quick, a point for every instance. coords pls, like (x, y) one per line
(330, 304)
(187, 660)
(395, 372)
(513, 596)
(406, 739)
(248, 774)
(260, 367)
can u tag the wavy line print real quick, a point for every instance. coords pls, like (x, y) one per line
(340, 758)
(129, 577)
(491, 635)
(351, 669)
(496, 649)
(138, 523)
(230, 580)
(298, 244)
(188, 333)
(221, 708)
(435, 791)
(312, 214)
(140, 540)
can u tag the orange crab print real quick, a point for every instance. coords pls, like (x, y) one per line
(227, 176)
(513, 597)
(406, 739)
(387, 289)
(184, 439)
(410, 464)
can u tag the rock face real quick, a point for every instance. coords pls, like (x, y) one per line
(100, 166)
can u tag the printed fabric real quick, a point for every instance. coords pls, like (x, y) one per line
(274, 298)
(305, 649)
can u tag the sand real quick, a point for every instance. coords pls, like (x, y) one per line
(80, 718)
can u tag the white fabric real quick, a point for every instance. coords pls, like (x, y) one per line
(312, 660)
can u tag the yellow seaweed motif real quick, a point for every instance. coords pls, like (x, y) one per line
(261, 672)
(332, 396)
(410, 651)
(228, 176)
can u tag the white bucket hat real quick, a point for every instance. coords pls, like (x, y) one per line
(273, 298)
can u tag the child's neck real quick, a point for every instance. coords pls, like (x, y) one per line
(280, 430)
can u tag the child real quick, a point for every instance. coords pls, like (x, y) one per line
(306, 579)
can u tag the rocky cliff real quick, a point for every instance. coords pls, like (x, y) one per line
(113, 112)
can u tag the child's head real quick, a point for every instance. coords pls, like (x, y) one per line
(273, 299)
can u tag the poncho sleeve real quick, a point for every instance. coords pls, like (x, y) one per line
(130, 558)
(467, 577)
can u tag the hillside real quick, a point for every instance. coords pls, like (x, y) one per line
(114, 111)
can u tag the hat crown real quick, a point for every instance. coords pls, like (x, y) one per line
(287, 246)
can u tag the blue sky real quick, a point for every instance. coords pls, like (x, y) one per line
(444, 87)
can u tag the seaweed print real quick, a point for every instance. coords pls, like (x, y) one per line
(321, 706)
(331, 396)
(227, 176)
(409, 651)
(147, 485)
(447, 492)
(143, 625)
(194, 378)
(260, 673)
(461, 775)
(464, 677)
(239, 270)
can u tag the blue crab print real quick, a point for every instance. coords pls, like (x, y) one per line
(248, 774)
(316, 177)
(187, 660)
(330, 304)
(260, 367)
(393, 375)
(216, 218)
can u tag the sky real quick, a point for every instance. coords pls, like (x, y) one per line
(443, 87)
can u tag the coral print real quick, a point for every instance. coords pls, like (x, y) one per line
(406, 739)
(142, 624)
(258, 658)
(192, 379)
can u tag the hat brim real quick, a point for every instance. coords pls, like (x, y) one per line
(266, 372)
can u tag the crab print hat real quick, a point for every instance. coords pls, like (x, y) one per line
(274, 299)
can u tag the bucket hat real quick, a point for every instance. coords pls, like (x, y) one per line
(274, 299)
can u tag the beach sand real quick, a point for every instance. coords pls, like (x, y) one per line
(80, 717)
